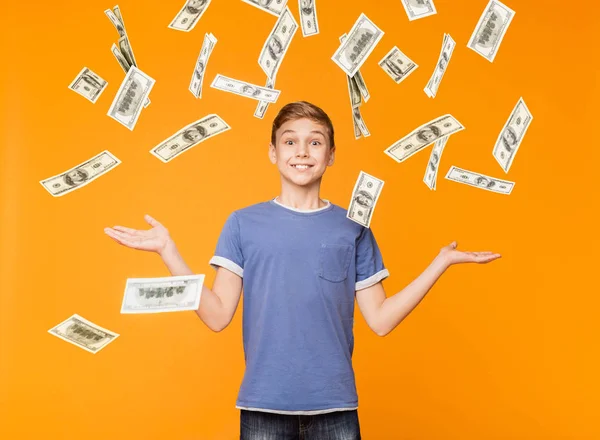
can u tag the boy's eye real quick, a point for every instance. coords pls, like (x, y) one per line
(289, 142)
(316, 142)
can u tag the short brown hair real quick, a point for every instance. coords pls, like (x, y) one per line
(299, 110)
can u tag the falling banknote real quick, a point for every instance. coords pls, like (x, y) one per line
(88, 84)
(83, 333)
(129, 100)
(308, 17)
(432, 86)
(277, 43)
(490, 29)
(189, 136)
(423, 136)
(157, 295)
(364, 198)
(480, 181)
(274, 7)
(188, 16)
(512, 134)
(397, 65)
(246, 89)
(81, 174)
(433, 165)
(262, 106)
(354, 51)
(418, 8)
(198, 76)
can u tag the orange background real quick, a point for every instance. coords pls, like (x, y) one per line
(504, 350)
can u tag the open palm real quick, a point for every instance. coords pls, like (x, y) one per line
(454, 256)
(154, 239)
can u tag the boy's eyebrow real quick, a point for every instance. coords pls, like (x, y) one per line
(289, 130)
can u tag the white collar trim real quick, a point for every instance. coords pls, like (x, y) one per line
(303, 210)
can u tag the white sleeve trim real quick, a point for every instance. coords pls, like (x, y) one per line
(373, 279)
(217, 261)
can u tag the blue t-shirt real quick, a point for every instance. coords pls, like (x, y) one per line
(300, 271)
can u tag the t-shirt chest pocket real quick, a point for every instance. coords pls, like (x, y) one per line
(334, 261)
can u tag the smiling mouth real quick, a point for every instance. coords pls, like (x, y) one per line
(301, 167)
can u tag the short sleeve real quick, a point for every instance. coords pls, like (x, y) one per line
(369, 263)
(228, 253)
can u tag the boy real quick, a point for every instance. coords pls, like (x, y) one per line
(302, 263)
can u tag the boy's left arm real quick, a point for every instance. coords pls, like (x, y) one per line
(384, 314)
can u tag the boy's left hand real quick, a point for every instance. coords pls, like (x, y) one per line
(453, 256)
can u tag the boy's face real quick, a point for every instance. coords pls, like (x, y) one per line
(301, 141)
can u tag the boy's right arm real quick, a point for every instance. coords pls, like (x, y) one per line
(217, 306)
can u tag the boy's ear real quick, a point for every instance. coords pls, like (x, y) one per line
(331, 157)
(272, 154)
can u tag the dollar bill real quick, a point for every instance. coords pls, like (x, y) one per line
(308, 17)
(512, 134)
(80, 175)
(167, 294)
(277, 43)
(127, 104)
(246, 89)
(88, 84)
(397, 65)
(117, 12)
(431, 171)
(83, 333)
(360, 123)
(274, 7)
(357, 79)
(262, 106)
(120, 58)
(124, 65)
(126, 50)
(362, 39)
(357, 132)
(480, 180)
(189, 136)
(364, 198)
(198, 76)
(490, 29)
(448, 46)
(353, 88)
(423, 136)
(117, 21)
(418, 8)
(188, 16)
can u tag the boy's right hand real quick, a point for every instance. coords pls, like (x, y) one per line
(155, 239)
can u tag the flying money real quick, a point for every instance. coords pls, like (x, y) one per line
(274, 7)
(262, 106)
(354, 51)
(81, 174)
(432, 86)
(433, 165)
(124, 44)
(360, 123)
(125, 66)
(189, 136)
(198, 76)
(308, 17)
(364, 198)
(397, 65)
(490, 29)
(88, 84)
(358, 81)
(480, 180)
(512, 134)
(188, 16)
(277, 43)
(83, 333)
(116, 21)
(167, 294)
(128, 102)
(423, 136)
(418, 8)
(246, 89)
